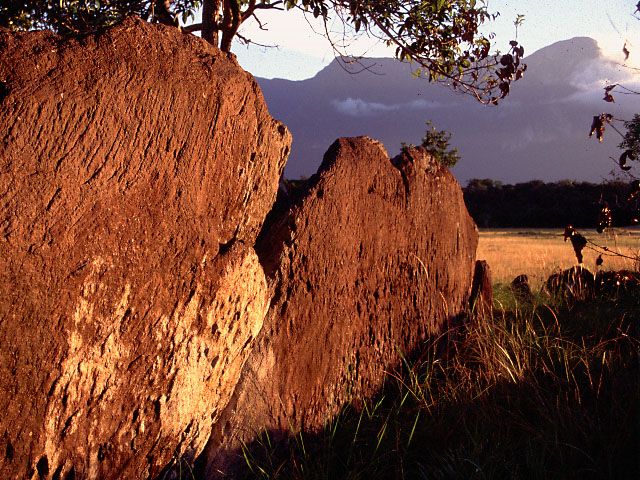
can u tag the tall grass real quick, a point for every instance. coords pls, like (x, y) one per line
(547, 390)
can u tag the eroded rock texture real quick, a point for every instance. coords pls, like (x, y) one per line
(136, 169)
(372, 258)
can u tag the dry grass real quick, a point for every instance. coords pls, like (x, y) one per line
(539, 253)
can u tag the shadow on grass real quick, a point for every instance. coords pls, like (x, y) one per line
(542, 390)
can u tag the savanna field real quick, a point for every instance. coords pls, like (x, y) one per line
(542, 387)
(539, 253)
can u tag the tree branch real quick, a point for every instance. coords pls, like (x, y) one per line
(232, 20)
(249, 41)
(260, 25)
(210, 23)
(253, 6)
(195, 27)
(249, 11)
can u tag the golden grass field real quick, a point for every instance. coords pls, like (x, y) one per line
(541, 252)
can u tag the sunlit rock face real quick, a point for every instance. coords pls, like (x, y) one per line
(136, 169)
(366, 261)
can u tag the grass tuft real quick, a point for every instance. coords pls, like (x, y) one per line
(541, 390)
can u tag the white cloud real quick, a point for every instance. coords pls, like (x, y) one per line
(356, 107)
(596, 75)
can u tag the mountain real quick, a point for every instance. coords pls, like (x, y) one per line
(538, 132)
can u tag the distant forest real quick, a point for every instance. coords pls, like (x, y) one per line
(537, 204)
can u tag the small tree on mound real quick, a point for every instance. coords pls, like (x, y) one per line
(441, 37)
(436, 142)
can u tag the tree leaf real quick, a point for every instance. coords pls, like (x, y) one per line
(626, 155)
(506, 59)
(597, 125)
(578, 242)
(568, 231)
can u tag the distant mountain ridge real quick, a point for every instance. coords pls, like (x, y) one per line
(538, 132)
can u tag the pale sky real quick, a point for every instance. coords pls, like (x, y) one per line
(301, 52)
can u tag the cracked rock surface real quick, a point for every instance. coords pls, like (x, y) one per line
(136, 169)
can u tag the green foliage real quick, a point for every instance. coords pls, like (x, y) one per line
(69, 16)
(631, 141)
(436, 142)
(440, 36)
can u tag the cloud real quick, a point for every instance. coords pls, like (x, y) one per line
(596, 73)
(356, 107)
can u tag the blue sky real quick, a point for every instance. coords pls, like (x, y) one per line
(300, 50)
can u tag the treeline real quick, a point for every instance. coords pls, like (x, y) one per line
(537, 204)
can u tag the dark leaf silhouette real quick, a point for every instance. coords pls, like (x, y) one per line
(626, 155)
(597, 126)
(568, 231)
(578, 242)
(506, 59)
(520, 72)
(504, 88)
(607, 93)
(599, 261)
(626, 52)
(604, 219)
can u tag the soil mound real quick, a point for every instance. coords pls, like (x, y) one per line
(373, 256)
(136, 169)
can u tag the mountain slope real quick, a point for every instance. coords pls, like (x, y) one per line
(538, 132)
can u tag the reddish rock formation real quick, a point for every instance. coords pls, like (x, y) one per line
(481, 300)
(374, 257)
(136, 169)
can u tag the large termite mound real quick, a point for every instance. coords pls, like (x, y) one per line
(137, 166)
(373, 256)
